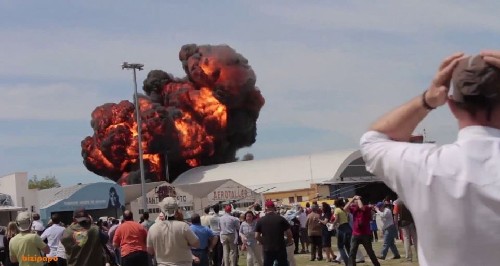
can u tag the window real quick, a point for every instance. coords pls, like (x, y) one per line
(299, 198)
(291, 199)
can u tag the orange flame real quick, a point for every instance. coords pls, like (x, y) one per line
(193, 137)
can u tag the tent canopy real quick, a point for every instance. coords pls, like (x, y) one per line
(326, 167)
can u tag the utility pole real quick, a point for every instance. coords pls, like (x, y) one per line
(139, 67)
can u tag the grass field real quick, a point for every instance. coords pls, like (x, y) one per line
(303, 259)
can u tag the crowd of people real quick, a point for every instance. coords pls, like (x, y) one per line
(270, 237)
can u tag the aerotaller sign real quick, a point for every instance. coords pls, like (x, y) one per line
(230, 194)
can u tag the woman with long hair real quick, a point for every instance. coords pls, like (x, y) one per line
(326, 235)
(247, 233)
(11, 232)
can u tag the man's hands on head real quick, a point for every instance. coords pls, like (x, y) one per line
(491, 57)
(437, 94)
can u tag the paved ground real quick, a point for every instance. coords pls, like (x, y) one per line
(303, 259)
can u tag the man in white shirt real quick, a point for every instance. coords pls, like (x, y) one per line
(205, 219)
(217, 252)
(450, 183)
(389, 230)
(53, 235)
(37, 225)
(229, 228)
(304, 241)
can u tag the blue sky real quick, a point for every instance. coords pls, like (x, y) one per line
(326, 68)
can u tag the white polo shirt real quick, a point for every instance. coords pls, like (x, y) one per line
(453, 192)
(386, 218)
(53, 235)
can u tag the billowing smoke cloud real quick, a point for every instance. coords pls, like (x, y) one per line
(201, 119)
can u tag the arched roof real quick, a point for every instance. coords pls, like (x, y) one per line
(323, 167)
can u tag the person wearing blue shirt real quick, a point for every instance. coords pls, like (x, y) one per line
(207, 241)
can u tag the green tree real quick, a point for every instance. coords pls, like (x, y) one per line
(44, 183)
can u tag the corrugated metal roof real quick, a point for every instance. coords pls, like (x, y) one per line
(51, 196)
(11, 208)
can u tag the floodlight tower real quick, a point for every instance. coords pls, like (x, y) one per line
(139, 67)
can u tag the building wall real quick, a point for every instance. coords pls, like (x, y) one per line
(21, 181)
(189, 204)
(94, 196)
(230, 192)
(16, 185)
(31, 199)
(299, 195)
(154, 196)
(8, 187)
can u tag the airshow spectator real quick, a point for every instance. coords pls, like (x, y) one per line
(83, 241)
(215, 226)
(315, 231)
(451, 190)
(111, 233)
(229, 227)
(295, 227)
(11, 232)
(344, 230)
(250, 244)
(53, 236)
(26, 244)
(37, 225)
(326, 234)
(146, 223)
(205, 219)
(161, 217)
(361, 215)
(304, 239)
(171, 241)
(207, 240)
(407, 225)
(389, 231)
(130, 237)
(271, 230)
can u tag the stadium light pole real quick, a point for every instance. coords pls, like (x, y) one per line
(139, 67)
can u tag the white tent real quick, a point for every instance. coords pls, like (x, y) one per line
(285, 173)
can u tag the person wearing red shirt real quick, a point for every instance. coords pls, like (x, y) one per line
(131, 237)
(361, 232)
